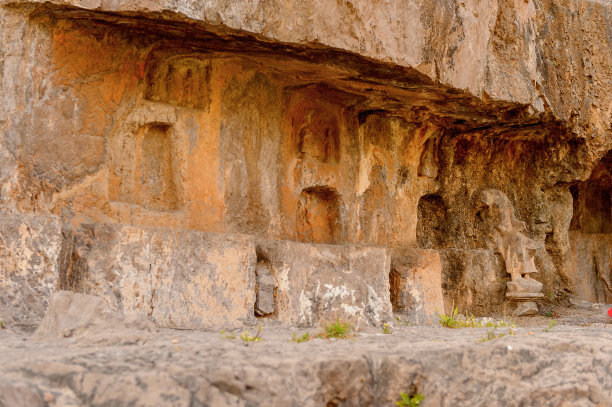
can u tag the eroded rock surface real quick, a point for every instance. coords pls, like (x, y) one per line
(327, 282)
(538, 366)
(220, 164)
(30, 248)
(319, 122)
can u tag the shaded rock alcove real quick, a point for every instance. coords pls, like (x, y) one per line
(590, 233)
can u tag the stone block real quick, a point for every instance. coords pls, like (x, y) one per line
(178, 278)
(416, 284)
(319, 282)
(473, 280)
(29, 249)
(264, 290)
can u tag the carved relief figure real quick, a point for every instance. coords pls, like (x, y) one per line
(318, 137)
(518, 251)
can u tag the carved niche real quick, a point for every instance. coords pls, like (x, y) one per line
(144, 161)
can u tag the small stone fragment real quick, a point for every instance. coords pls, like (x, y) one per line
(526, 308)
(264, 304)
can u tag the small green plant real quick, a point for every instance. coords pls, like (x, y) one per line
(386, 329)
(551, 325)
(492, 335)
(300, 339)
(410, 401)
(229, 336)
(246, 337)
(405, 322)
(338, 329)
(455, 320)
(450, 321)
(2, 324)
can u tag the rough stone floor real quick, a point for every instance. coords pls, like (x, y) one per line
(568, 364)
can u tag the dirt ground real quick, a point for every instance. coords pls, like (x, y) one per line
(567, 362)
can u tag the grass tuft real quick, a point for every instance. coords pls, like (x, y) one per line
(299, 339)
(338, 329)
(246, 337)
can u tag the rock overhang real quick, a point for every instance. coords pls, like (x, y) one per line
(390, 87)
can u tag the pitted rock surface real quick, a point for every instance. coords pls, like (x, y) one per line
(568, 364)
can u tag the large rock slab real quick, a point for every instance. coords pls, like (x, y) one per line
(29, 249)
(318, 282)
(178, 278)
(473, 280)
(416, 284)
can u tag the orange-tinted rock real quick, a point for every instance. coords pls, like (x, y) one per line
(416, 284)
(179, 279)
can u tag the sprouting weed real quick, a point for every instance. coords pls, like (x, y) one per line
(492, 335)
(300, 339)
(455, 320)
(386, 329)
(410, 401)
(247, 338)
(338, 329)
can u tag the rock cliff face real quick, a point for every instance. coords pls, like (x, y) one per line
(343, 123)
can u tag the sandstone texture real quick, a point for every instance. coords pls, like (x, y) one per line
(416, 284)
(591, 255)
(328, 282)
(474, 281)
(312, 121)
(172, 165)
(180, 279)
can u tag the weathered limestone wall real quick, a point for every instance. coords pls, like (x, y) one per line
(590, 234)
(315, 122)
(325, 282)
(212, 142)
(553, 55)
(179, 279)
